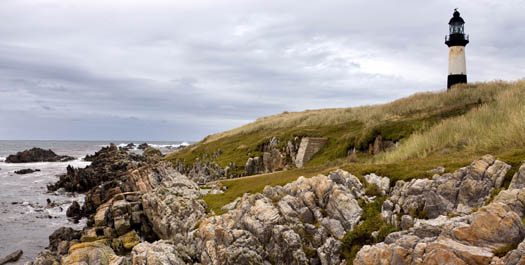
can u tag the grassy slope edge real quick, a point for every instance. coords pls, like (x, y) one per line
(448, 128)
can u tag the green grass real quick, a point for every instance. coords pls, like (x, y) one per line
(494, 126)
(341, 138)
(419, 122)
(405, 170)
(238, 187)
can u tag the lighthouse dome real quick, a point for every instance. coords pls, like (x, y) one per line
(456, 18)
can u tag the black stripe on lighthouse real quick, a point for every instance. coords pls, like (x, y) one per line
(456, 79)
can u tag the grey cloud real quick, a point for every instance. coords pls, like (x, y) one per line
(181, 70)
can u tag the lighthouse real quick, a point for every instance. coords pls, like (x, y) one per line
(456, 40)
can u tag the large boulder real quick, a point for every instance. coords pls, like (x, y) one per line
(37, 155)
(174, 209)
(158, 253)
(92, 253)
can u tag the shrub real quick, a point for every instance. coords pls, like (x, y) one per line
(372, 190)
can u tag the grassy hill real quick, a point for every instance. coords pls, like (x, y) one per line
(447, 128)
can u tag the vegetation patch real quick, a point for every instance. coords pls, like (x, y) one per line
(361, 235)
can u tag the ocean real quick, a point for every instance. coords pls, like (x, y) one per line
(26, 219)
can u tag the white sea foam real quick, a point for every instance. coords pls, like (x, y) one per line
(157, 146)
(2, 159)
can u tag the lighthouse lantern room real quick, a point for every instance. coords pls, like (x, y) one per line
(456, 40)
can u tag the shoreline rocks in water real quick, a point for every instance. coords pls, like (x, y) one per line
(12, 257)
(26, 171)
(143, 146)
(37, 155)
(109, 163)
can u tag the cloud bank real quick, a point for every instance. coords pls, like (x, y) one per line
(180, 70)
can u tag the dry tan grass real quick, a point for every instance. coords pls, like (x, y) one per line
(495, 126)
(420, 103)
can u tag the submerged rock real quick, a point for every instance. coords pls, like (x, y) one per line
(12, 257)
(37, 155)
(74, 211)
(26, 171)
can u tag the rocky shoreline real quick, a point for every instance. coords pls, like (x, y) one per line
(141, 210)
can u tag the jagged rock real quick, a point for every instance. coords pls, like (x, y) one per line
(63, 234)
(383, 183)
(153, 153)
(330, 252)
(143, 146)
(159, 253)
(272, 227)
(74, 211)
(406, 222)
(203, 171)
(518, 180)
(470, 239)
(124, 213)
(126, 242)
(26, 171)
(108, 164)
(45, 257)
(92, 253)
(37, 155)
(253, 166)
(460, 192)
(515, 256)
(12, 257)
(174, 209)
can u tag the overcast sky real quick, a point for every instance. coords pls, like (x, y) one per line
(180, 70)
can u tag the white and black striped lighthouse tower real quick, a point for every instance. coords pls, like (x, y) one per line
(456, 40)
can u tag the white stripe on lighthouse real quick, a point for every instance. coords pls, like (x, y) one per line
(456, 61)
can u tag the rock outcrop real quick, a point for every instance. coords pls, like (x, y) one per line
(155, 215)
(37, 155)
(494, 234)
(204, 171)
(275, 157)
(451, 193)
(110, 163)
(300, 223)
(470, 239)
